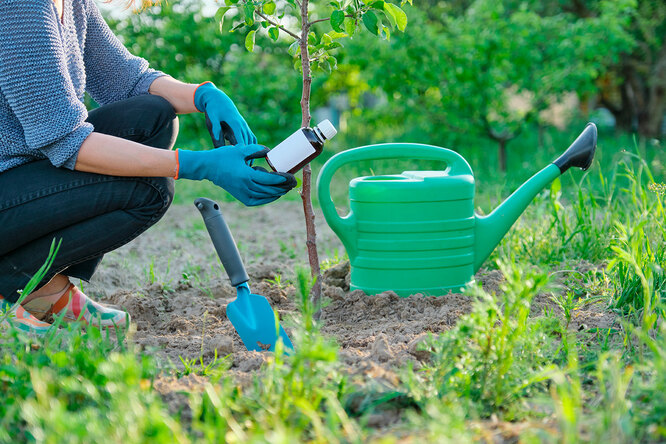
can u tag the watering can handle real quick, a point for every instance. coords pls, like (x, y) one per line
(456, 165)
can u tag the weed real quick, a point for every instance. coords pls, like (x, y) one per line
(198, 367)
(192, 275)
(333, 260)
(278, 282)
(288, 250)
(494, 355)
(216, 366)
(573, 300)
(152, 278)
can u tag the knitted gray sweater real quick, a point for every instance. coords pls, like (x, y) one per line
(45, 67)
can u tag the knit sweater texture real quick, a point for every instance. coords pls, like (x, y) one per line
(46, 65)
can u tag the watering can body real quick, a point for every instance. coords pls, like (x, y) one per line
(417, 232)
(414, 232)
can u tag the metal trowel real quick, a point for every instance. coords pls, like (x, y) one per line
(251, 314)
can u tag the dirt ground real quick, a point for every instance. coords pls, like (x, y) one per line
(170, 281)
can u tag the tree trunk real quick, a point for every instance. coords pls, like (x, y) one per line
(306, 191)
(650, 125)
(541, 135)
(642, 96)
(501, 154)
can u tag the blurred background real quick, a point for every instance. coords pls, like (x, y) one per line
(507, 83)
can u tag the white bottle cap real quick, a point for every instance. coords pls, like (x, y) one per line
(327, 129)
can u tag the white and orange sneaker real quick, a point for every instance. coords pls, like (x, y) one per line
(76, 306)
(16, 316)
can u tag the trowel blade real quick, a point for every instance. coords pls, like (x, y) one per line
(254, 320)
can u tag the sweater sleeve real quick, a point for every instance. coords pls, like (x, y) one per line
(34, 82)
(112, 73)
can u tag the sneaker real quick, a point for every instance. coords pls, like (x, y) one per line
(76, 306)
(16, 316)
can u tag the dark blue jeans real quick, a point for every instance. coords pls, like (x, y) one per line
(92, 213)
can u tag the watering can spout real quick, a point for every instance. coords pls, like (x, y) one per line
(490, 229)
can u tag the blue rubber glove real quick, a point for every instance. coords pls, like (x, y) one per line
(222, 117)
(229, 168)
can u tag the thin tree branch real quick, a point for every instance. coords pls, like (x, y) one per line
(295, 36)
(327, 19)
(319, 20)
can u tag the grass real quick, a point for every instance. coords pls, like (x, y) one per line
(591, 238)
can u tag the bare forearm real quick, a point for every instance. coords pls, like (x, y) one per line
(113, 156)
(179, 94)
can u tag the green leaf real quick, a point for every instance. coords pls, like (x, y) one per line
(325, 66)
(555, 187)
(230, 2)
(337, 35)
(297, 64)
(294, 49)
(332, 45)
(312, 38)
(333, 61)
(238, 26)
(386, 33)
(398, 14)
(337, 19)
(219, 15)
(391, 18)
(248, 9)
(371, 22)
(379, 5)
(269, 8)
(350, 26)
(249, 40)
(274, 33)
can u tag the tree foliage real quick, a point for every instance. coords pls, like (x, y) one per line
(466, 71)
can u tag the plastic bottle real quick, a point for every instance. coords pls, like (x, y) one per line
(300, 148)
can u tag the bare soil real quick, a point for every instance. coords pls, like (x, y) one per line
(172, 284)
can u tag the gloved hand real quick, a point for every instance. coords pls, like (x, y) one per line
(222, 117)
(229, 168)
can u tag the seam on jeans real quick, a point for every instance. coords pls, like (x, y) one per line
(158, 215)
(99, 178)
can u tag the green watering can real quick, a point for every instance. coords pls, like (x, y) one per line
(417, 232)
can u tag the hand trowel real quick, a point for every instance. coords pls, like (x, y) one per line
(251, 314)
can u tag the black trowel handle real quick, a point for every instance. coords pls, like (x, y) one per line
(222, 240)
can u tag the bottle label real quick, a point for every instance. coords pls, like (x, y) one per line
(290, 152)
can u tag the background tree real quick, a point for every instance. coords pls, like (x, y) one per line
(490, 67)
(635, 88)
